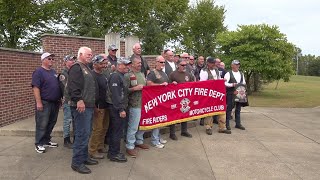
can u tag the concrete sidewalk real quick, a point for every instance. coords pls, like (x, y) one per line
(277, 144)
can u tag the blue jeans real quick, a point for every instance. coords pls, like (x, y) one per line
(67, 119)
(83, 127)
(45, 122)
(230, 106)
(133, 135)
(155, 136)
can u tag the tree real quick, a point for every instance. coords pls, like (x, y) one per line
(263, 50)
(147, 19)
(23, 21)
(200, 27)
(313, 66)
(154, 39)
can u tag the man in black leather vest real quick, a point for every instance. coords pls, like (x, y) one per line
(232, 78)
(82, 90)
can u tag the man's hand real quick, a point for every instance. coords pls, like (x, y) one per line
(174, 82)
(138, 87)
(80, 106)
(39, 106)
(123, 114)
(164, 83)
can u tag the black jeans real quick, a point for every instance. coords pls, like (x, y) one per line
(184, 128)
(45, 121)
(116, 132)
(230, 106)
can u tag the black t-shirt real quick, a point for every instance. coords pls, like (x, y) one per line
(157, 77)
(181, 77)
(102, 84)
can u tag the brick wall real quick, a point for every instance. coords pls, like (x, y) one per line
(16, 97)
(62, 45)
(16, 67)
(151, 59)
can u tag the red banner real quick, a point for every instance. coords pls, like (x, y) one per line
(171, 104)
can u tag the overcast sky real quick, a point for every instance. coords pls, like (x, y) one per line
(299, 20)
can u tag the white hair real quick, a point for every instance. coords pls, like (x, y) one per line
(83, 50)
(134, 46)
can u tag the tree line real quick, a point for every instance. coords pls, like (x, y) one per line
(265, 53)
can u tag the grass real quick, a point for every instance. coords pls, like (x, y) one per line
(299, 92)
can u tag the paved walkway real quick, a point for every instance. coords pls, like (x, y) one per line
(278, 144)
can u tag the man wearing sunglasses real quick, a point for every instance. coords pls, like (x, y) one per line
(112, 57)
(190, 62)
(154, 78)
(47, 93)
(179, 76)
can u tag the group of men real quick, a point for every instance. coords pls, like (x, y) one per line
(101, 98)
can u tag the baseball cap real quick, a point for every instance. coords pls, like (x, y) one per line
(211, 60)
(69, 58)
(45, 55)
(123, 60)
(98, 59)
(112, 47)
(235, 62)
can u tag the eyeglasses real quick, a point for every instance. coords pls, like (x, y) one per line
(186, 57)
(192, 59)
(162, 62)
(50, 59)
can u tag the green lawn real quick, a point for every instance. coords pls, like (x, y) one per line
(300, 91)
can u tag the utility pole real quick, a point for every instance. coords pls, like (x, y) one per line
(297, 57)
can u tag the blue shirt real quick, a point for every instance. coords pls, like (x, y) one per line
(48, 83)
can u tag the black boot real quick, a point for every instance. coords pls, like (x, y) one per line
(67, 143)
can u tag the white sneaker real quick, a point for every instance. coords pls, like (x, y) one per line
(40, 149)
(163, 141)
(51, 144)
(160, 146)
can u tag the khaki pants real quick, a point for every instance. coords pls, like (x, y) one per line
(99, 128)
(208, 122)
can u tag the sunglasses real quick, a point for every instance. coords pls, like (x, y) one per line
(115, 50)
(182, 65)
(162, 62)
(50, 59)
(191, 59)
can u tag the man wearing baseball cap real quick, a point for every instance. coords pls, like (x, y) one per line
(47, 95)
(101, 110)
(112, 57)
(211, 72)
(67, 118)
(118, 96)
(232, 78)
